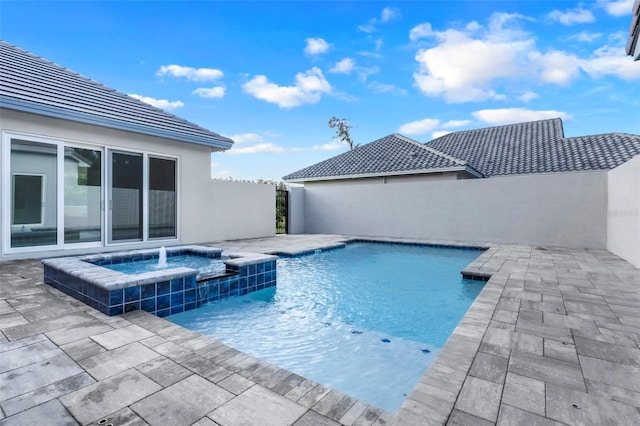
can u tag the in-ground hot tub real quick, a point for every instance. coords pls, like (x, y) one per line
(161, 292)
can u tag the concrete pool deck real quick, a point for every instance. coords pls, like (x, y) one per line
(553, 338)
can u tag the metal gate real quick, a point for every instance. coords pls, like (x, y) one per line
(282, 211)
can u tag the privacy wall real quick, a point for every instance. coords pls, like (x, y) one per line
(623, 213)
(557, 209)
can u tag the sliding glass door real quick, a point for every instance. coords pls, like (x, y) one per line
(34, 189)
(162, 197)
(126, 197)
(82, 195)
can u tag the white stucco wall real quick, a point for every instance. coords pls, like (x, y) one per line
(296, 210)
(558, 209)
(208, 210)
(623, 212)
(240, 210)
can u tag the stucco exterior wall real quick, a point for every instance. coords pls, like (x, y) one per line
(208, 211)
(623, 212)
(296, 210)
(559, 209)
(241, 210)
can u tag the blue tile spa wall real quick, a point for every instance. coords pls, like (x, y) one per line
(166, 297)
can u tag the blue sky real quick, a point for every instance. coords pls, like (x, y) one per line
(271, 74)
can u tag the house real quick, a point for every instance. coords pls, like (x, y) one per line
(522, 183)
(88, 168)
(522, 148)
(633, 43)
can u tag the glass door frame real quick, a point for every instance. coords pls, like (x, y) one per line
(7, 193)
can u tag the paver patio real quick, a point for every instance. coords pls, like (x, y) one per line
(554, 338)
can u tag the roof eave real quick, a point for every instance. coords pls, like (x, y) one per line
(464, 168)
(220, 142)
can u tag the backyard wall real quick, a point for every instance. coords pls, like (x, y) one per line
(239, 210)
(623, 213)
(558, 209)
(296, 210)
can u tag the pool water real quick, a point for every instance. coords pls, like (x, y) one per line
(366, 320)
(204, 265)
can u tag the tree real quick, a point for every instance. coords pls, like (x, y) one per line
(342, 130)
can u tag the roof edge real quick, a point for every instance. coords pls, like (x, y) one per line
(386, 174)
(220, 142)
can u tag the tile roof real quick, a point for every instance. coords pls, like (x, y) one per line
(32, 84)
(522, 148)
(391, 155)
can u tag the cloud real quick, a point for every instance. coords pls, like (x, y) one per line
(439, 133)
(331, 146)
(617, 8)
(386, 88)
(556, 66)
(585, 36)
(345, 66)
(308, 89)
(419, 127)
(572, 16)
(516, 115)
(243, 138)
(611, 61)
(192, 74)
(211, 92)
(462, 68)
(421, 31)
(528, 96)
(258, 148)
(456, 123)
(158, 103)
(390, 14)
(316, 46)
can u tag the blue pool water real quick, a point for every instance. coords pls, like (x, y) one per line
(202, 264)
(366, 320)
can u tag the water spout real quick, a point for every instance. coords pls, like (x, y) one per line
(162, 257)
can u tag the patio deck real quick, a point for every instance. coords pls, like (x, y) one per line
(554, 338)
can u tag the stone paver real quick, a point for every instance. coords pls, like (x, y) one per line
(554, 338)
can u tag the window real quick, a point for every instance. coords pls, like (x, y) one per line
(162, 197)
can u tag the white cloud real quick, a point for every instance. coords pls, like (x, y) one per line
(617, 8)
(419, 127)
(345, 66)
(331, 146)
(390, 14)
(528, 96)
(386, 88)
(439, 133)
(611, 61)
(258, 148)
(516, 115)
(243, 138)
(556, 66)
(456, 123)
(308, 89)
(585, 36)
(572, 16)
(316, 46)
(462, 68)
(158, 103)
(421, 31)
(193, 74)
(210, 92)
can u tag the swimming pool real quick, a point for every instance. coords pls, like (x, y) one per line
(366, 320)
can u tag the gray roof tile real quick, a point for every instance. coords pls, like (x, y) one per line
(33, 84)
(522, 148)
(392, 154)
